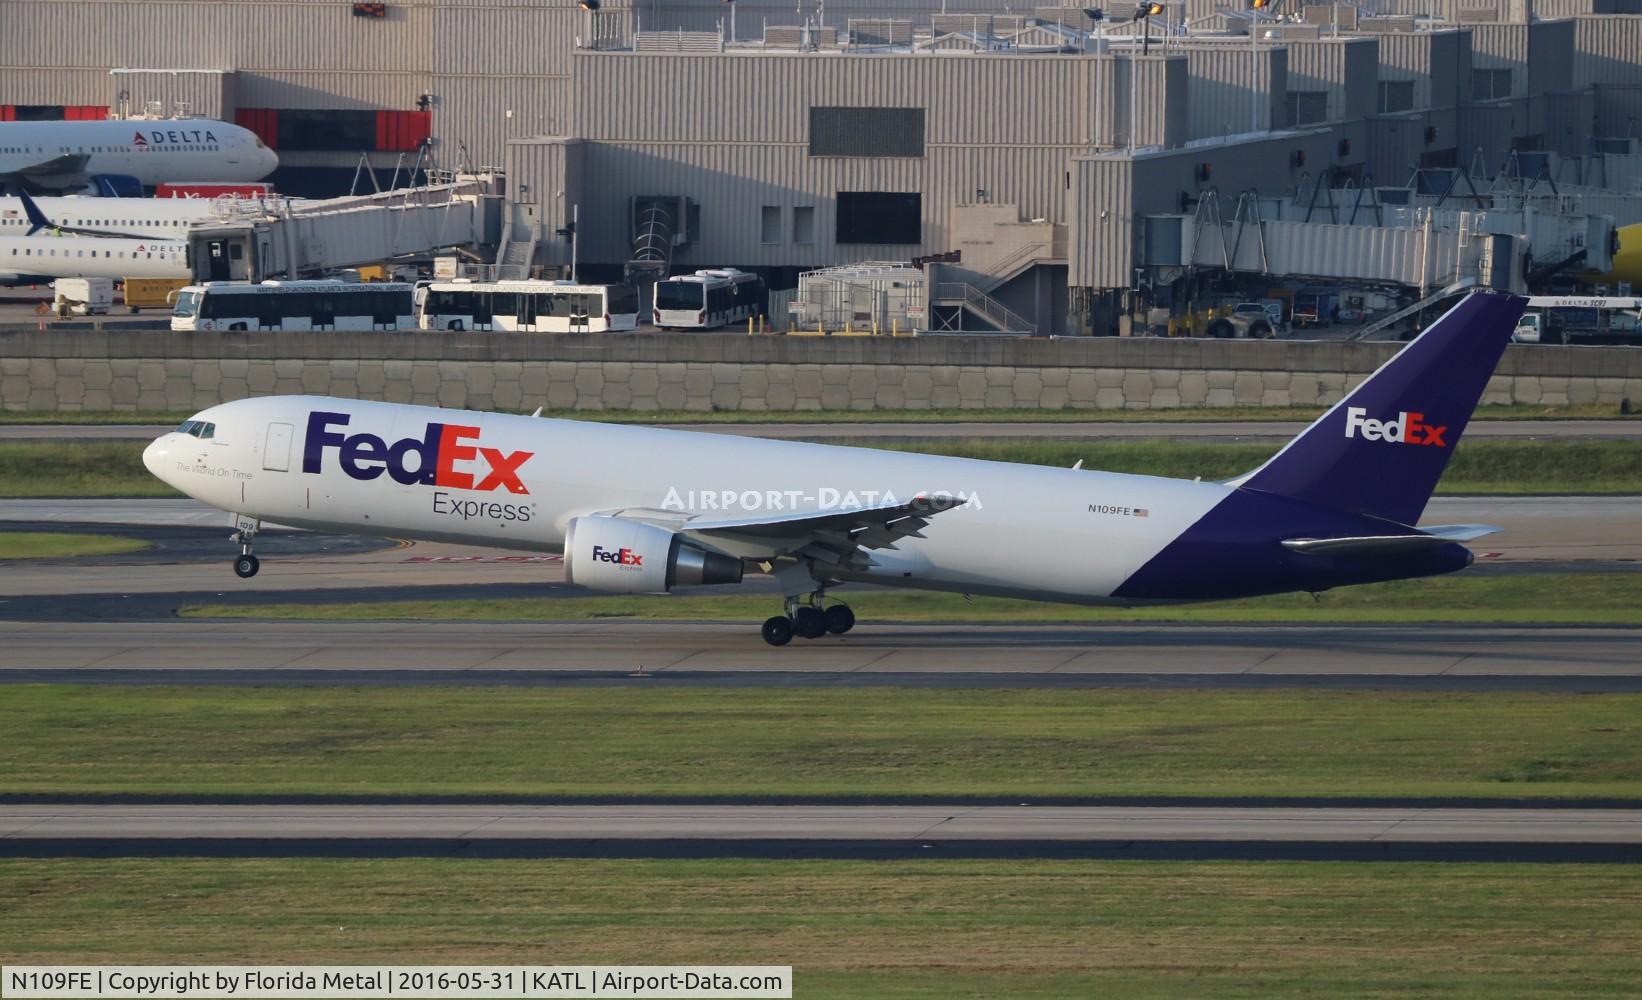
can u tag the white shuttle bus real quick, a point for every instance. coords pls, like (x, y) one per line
(708, 299)
(529, 306)
(326, 304)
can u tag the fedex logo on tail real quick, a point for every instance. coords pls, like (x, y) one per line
(1407, 428)
(621, 557)
(445, 455)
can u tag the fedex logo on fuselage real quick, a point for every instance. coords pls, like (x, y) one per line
(445, 455)
(621, 557)
(1407, 428)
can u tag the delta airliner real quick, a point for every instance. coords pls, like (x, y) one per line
(70, 155)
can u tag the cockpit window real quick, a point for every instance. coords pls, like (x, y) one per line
(198, 428)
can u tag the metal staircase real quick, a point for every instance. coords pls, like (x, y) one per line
(514, 255)
(950, 301)
(1390, 319)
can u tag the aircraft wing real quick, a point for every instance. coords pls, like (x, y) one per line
(66, 165)
(830, 537)
(1390, 545)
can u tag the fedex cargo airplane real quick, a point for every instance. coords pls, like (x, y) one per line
(643, 510)
(128, 153)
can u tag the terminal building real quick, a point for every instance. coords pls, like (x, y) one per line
(1068, 175)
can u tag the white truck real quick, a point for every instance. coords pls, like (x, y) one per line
(82, 296)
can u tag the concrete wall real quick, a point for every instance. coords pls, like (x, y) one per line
(173, 371)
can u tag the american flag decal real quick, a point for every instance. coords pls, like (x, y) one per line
(1141, 512)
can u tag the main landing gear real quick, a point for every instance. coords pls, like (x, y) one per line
(809, 620)
(247, 564)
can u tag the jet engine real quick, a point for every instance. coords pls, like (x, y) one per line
(622, 556)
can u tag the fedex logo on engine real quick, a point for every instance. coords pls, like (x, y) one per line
(445, 455)
(621, 557)
(1407, 428)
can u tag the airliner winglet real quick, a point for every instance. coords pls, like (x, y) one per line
(647, 510)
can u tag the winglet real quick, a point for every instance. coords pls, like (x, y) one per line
(37, 219)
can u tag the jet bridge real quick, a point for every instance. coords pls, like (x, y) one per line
(252, 241)
(1418, 256)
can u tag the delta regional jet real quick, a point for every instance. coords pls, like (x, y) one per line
(643, 510)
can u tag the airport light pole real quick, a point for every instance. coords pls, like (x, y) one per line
(1255, 7)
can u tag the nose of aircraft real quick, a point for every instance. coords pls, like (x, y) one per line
(154, 456)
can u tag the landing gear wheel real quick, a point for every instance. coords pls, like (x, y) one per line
(809, 623)
(246, 566)
(778, 630)
(839, 618)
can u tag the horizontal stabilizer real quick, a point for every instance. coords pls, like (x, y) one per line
(1389, 545)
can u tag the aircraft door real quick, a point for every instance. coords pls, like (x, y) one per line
(276, 453)
(216, 261)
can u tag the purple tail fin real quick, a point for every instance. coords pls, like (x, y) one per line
(1381, 450)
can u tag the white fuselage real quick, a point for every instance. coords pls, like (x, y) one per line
(153, 150)
(44, 256)
(1026, 531)
(163, 217)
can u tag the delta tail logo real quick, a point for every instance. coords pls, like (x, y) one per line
(1406, 428)
(445, 455)
(139, 141)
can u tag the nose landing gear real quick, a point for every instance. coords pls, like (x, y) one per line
(808, 620)
(247, 564)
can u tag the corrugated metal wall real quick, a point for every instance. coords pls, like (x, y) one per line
(544, 180)
(38, 85)
(1232, 88)
(1489, 128)
(1435, 60)
(1101, 244)
(1101, 255)
(1346, 68)
(483, 112)
(1606, 51)
(201, 92)
(335, 90)
(236, 35)
(765, 97)
(655, 127)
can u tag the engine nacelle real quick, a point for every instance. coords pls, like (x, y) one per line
(621, 556)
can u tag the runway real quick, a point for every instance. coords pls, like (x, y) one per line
(824, 831)
(1551, 532)
(731, 654)
(1039, 430)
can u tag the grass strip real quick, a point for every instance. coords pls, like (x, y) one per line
(114, 468)
(1563, 598)
(902, 743)
(910, 929)
(77, 469)
(61, 545)
(1063, 415)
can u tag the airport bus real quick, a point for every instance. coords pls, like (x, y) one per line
(326, 304)
(708, 299)
(529, 306)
